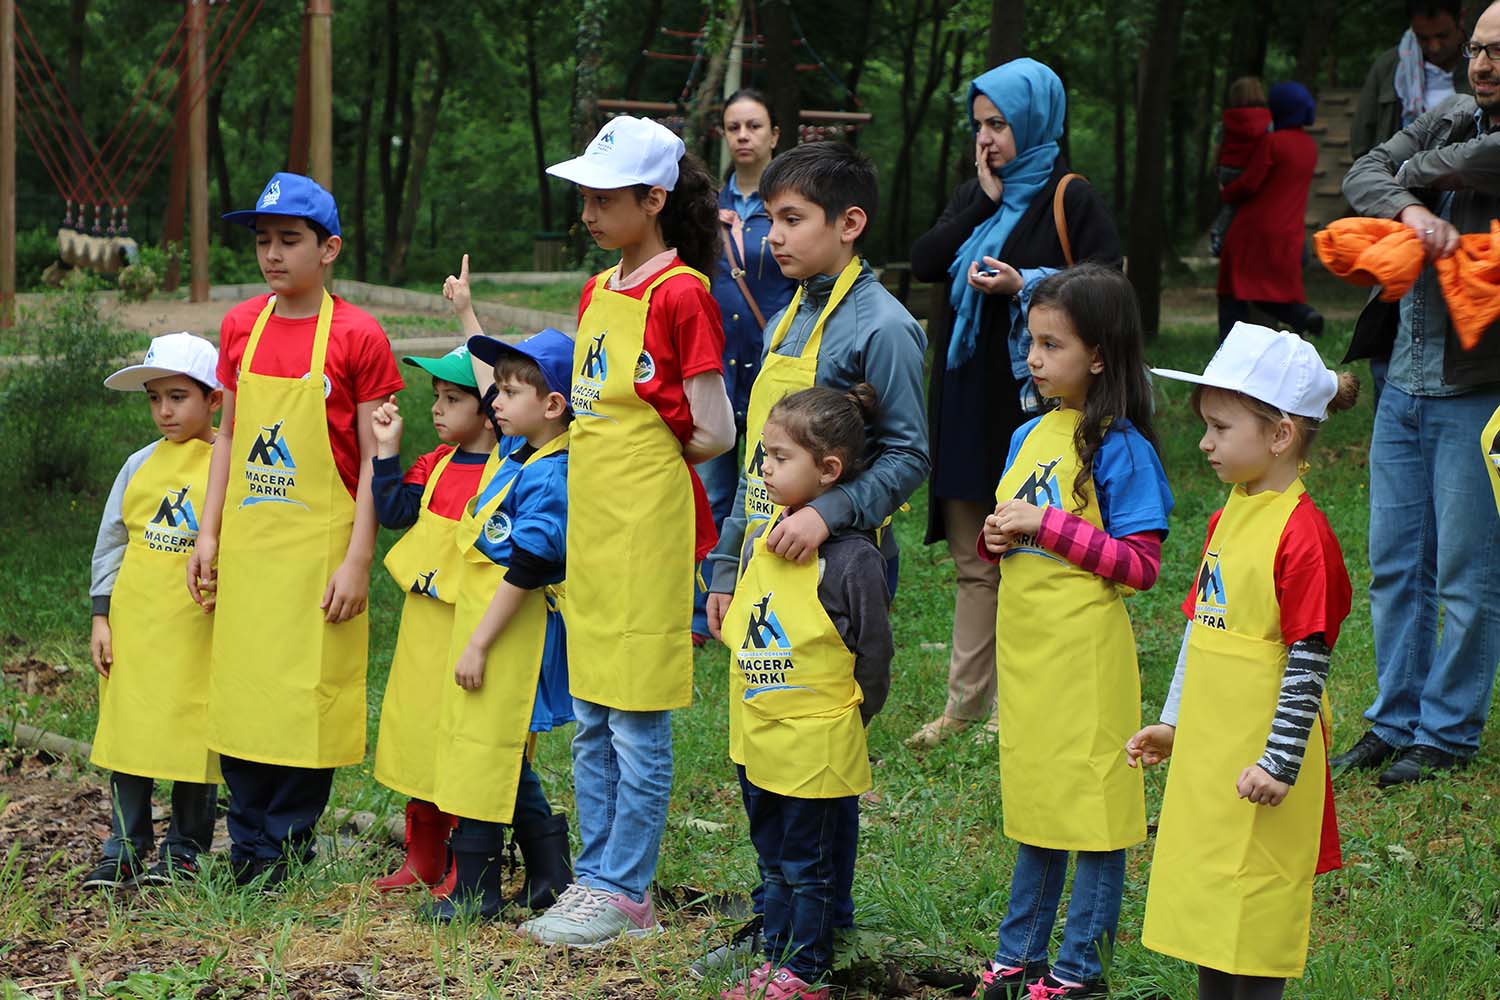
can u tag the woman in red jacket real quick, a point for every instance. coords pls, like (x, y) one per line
(1261, 263)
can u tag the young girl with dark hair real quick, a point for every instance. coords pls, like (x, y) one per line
(810, 667)
(1080, 517)
(648, 402)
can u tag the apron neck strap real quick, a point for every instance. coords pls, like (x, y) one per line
(673, 272)
(320, 336)
(435, 475)
(841, 288)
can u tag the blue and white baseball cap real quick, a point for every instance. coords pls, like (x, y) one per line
(627, 151)
(295, 195)
(170, 354)
(552, 350)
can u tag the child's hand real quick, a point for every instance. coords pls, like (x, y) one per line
(100, 646)
(468, 672)
(348, 589)
(202, 575)
(714, 608)
(798, 536)
(387, 425)
(1017, 517)
(1259, 787)
(996, 538)
(1151, 745)
(456, 288)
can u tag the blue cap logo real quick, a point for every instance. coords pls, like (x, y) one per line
(271, 195)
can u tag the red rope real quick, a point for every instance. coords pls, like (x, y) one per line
(46, 155)
(62, 138)
(125, 150)
(135, 98)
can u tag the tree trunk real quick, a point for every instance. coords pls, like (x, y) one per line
(866, 18)
(76, 39)
(1178, 120)
(719, 36)
(784, 88)
(944, 177)
(1207, 199)
(228, 231)
(1119, 99)
(534, 108)
(637, 75)
(362, 179)
(390, 187)
(1317, 34)
(1147, 230)
(1249, 40)
(913, 116)
(424, 126)
(395, 206)
(1007, 31)
(297, 145)
(591, 21)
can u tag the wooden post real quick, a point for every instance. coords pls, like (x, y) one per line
(296, 156)
(320, 91)
(7, 163)
(198, 149)
(171, 230)
(734, 76)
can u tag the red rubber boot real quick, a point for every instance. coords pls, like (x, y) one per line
(444, 888)
(426, 848)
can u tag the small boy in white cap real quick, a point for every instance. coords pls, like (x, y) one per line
(1248, 815)
(150, 642)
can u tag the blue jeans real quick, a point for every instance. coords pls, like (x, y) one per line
(721, 480)
(799, 847)
(1093, 910)
(1434, 543)
(622, 779)
(190, 832)
(273, 808)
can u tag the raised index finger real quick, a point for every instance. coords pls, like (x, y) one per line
(463, 269)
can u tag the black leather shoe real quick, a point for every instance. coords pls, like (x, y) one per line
(1369, 753)
(1418, 763)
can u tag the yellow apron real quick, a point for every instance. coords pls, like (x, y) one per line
(1231, 882)
(1490, 443)
(793, 700)
(427, 565)
(781, 375)
(631, 524)
(285, 686)
(482, 735)
(1068, 687)
(153, 708)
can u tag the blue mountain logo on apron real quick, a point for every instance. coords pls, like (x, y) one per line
(590, 381)
(766, 656)
(1040, 488)
(758, 505)
(424, 585)
(270, 472)
(1212, 601)
(175, 526)
(596, 362)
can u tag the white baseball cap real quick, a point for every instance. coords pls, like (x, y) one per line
(627, 151)
(170, 354)
(1277, 368)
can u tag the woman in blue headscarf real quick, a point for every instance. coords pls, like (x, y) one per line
(996, 238)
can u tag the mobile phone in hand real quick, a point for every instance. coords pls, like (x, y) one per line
(988, 272)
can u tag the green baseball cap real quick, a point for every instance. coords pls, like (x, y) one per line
(451, 367)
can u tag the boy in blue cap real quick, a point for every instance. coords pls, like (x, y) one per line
(428, 500)
(288, 532)
(508, 647)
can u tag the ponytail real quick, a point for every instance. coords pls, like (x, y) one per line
(690, 218)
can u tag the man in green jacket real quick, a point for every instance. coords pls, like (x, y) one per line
(1417, 75)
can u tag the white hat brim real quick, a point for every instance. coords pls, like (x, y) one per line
(589, 173)
(1177, 376)
(134, 378)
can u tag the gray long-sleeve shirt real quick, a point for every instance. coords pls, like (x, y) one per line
(870, 338)
(110, 543)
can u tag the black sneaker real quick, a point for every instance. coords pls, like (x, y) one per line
(735, 958)
(245, 870)
(1369, 753)
(112, 873)
(170, 869)
(1418, 763)
(999, 983)
(1050, 988)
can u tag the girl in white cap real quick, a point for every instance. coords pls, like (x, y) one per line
(1248, 815)
(649, 403)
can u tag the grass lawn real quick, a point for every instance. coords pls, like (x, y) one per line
(1414, 912)
(558, 297)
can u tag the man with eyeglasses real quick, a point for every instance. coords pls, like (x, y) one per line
(1434, 531)
(1417, 75)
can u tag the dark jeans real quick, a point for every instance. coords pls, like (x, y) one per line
(1296, 315)
(189, 833)
(1216, 985)
(273, 808)
(481, 836)
(798, 844)
(844, 854)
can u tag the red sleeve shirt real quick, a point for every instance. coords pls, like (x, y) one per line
(460, 482)
(359, 365)
(1312, 585)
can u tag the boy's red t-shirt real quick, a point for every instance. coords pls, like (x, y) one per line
(359, 365)
(459, 485)
(685, 337)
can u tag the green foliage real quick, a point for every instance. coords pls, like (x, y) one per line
(52, 409)
(36, 250)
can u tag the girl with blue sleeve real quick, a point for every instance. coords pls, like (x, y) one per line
(1081, 511)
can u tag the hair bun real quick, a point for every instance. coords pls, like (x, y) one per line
(1346, 394)
(865, 397)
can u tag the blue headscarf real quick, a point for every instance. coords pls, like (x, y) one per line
(1031, 98)
(1291, 105)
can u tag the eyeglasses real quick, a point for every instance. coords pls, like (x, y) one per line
(1491, 51)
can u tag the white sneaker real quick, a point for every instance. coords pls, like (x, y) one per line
(593, 917)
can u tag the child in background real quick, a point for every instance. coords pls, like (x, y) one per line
(1244, 127)
(429, 499)
(508, 646)
(288, 532)
(150, 643)
(1247, 819)
(812, 669)
(1080, 517)
(841, 328)
(649, 403)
